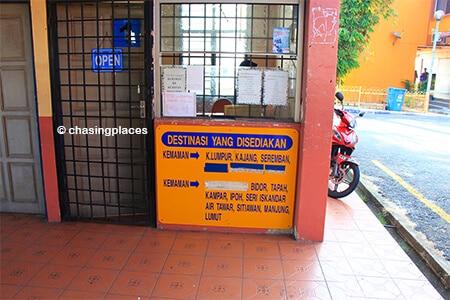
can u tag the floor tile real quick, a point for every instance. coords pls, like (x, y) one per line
(344, 287)
(219, 288)
(176, 286)
(261, 249)
(6, 230)
(155, 244)
(300, 269)
(223, 266)
(367, 223)
(130, 230)
(267, 238)
(368, 267)
(9, 250)
(183, 264)
(134, 283)
(19, 273)
(297, 251)
(73, 256)
(350, 236)
(307, 290)
(380, 237)
(333, 270)
(60, 237)
(15, 219)
(390, 253)
(225, 248)
(146, 262)
(263, 289)
(189, 246)
(93, 280)
(8, 291)
(104, 228)
(82, 260)
(110, 296)
(37, 293)
(82, 295)
(329, 250)
(156, 232)
(72, 225)
(121, 242)
(54, 276)
(379, 287)
(108, 259)
(403, 270)
(39, 253)
(229, 236)
(417, 290)
(202, 235)
(329, 235)
(26, 234)
(342, 224)
(88, 239)
(353, 250)
(263, 268)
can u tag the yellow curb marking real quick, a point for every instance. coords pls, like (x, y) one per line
(438, 210)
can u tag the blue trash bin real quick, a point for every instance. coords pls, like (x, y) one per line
(395, 98)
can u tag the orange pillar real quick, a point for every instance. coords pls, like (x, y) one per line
(44, 100)
(319, 80)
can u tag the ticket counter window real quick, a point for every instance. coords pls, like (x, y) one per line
(231, 60)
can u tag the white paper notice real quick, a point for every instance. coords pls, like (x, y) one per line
(275, 87)
(174, 80)
(195, 78)
(249, 86)
(179, 104)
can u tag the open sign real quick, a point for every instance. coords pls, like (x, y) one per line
(107, 60)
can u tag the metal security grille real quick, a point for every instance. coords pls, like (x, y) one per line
(225, 37)
(101, 91)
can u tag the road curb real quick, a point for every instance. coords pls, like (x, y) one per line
(439, 266)
(355, 111)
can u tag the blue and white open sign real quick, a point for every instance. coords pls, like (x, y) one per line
(107, 60)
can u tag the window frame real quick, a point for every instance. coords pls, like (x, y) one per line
(298, 55)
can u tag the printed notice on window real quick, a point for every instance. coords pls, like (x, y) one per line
(179, 104)
(275, 87)
(174, 80)
(195, 78)
(249, 86)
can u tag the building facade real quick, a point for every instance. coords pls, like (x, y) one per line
(400, 49)
(110, 112)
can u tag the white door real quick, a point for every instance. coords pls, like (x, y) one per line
(442, 85)
(21, 188)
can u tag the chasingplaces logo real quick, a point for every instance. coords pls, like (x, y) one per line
(100, 130)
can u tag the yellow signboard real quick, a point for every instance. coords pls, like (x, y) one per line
(226, 176)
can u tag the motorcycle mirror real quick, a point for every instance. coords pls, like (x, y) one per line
(361, 114)
(340, 96)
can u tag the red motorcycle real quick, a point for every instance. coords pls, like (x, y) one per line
(344, 169)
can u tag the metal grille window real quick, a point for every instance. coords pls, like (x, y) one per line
(224, 39)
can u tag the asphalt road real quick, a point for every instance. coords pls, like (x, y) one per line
(407, 157)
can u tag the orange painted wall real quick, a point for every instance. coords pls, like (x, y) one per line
(385, 64)
(444, 25)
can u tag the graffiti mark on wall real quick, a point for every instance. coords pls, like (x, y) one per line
(325, 25)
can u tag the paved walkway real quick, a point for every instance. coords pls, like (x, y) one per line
(358, 259)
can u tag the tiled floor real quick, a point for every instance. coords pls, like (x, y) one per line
(358, 259)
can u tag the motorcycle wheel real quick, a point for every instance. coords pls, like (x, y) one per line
(346, 181)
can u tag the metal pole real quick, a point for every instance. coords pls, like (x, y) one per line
(438, 16)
